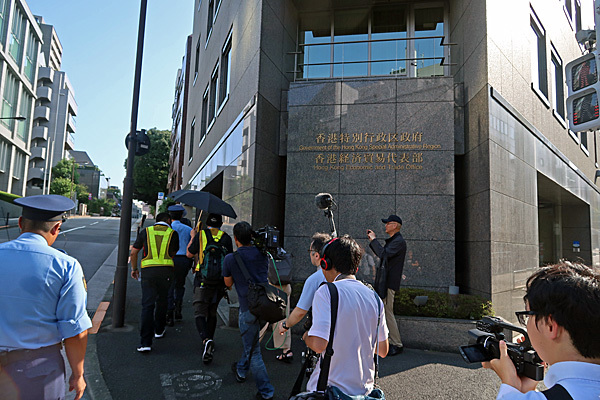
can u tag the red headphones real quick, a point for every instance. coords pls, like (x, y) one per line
(326, 263)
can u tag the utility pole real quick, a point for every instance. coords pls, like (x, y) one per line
(121, 273)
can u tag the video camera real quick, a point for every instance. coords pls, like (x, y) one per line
(267, 240)
(484, 345)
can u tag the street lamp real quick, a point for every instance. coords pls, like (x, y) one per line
(18, 118)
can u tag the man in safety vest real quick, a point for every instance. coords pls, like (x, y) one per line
(160, 244)
(211, 245)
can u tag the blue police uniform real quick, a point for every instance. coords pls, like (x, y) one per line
(42, 301)
(182, 265)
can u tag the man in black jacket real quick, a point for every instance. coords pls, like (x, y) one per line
(392, 255)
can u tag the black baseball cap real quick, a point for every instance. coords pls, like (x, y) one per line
(49, 207)
(392, 218)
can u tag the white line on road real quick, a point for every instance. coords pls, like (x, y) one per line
(94, 223)
(74, 229)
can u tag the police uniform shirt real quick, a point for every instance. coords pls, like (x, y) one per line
(184, 236)
(42, 294)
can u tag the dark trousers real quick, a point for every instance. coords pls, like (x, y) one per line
(32, 374)
(206, 302)
(177, 289)
(155, 287)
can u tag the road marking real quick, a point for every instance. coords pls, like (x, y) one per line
(105, 219)
(71, 230)
(99, 317)
(94, 223)
(189, 384)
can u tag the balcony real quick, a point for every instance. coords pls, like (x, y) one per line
(69, 142)
(38, 152)
(41, 112)
(71, 124)
(44, 93)
(39, 132)
(46, 73)
(35, 173)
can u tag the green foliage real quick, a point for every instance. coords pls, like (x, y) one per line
(82, 193)
(61, 186)
(115, 191)
(8, 197)
(441, 305)
(101, 206)
(151, 171)
(167, 202)
(66, 169)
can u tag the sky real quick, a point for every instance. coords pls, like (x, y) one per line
(99, 40)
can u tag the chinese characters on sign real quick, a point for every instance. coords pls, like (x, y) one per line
(369, 151)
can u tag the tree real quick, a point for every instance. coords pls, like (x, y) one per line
(66, 169)
(151, 171)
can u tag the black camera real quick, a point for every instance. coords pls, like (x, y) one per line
(266, 239)
(484, 345)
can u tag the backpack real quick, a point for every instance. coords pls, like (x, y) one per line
(212, 263)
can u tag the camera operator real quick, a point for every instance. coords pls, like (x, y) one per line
(311, 284)
(357, 331)
(562, 320)
(257, 265)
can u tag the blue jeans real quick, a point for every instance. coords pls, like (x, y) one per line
(251, 358)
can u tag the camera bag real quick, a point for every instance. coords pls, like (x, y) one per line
(325, 392)
(280, 271)
(266, 302)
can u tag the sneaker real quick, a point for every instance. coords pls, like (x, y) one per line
(144, 349)
(159, 335)
(395, 350)
(260, 397)
(238, 377)
(209, 348)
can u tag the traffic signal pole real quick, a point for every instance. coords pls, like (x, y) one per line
(121, 273)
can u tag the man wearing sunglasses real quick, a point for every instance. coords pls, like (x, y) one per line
(562, 320)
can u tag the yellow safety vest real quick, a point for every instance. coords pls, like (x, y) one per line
(159, 239)
(203, 239)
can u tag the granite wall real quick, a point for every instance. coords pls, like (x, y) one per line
(379, 147)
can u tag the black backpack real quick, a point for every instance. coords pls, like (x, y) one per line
(212, 263)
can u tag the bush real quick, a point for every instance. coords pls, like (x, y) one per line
(441, 305)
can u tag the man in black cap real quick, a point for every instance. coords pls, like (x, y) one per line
(210, 246)
(42, 303)
(391, 257)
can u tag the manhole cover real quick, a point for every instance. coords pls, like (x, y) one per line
(190, 384)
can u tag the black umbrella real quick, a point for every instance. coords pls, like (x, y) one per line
(204, 201)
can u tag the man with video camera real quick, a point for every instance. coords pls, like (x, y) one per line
(562, 319)
(359, 326)
(257, 265)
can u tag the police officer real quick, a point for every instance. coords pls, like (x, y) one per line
(42, 303)
(182, 264)
(208, 294)
(160, 244)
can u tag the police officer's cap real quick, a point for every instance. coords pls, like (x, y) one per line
(49, 207)
(176, 207)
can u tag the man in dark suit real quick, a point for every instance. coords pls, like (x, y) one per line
(392, 256)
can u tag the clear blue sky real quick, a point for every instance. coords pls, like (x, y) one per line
(99, 42)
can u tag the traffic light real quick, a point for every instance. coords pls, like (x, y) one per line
(583, 89)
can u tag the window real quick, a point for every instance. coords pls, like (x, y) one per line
(214, 94)
(225, 72)
(389, 22)
(19, 165)
(25, 111)
(197, 64)
(3, 18)
(209, 19)
(429, 22)
(4, 156)
(9, 100)
(539, 73)
(17, 35)
(584, 142)
(577, 15)
(558, 85)
(191, 148)
(31, 56)
(569, 9)
(351, 26)
(204, 116)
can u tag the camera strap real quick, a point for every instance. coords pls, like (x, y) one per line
(326, 359)
(557, 392)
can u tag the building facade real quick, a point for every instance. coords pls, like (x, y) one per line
(54, 122)
(89, 173)
(450, 114)
(20, 39)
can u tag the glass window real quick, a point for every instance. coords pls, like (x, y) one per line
(558, 85)
(429, 26)
(4, 156)
(197, 64)
(316, 29)
(19, 165)
(569, 8)
(209, 18)
(214, 93)
(204, 116)
(192, 127)
(584, 141)
(25, 111)
(17, 35)
(577, 16)
(225, 71)
(351, 59)
(31, 56)
(9, 100)
(389, 26)
(3, 18)
(539, 73)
